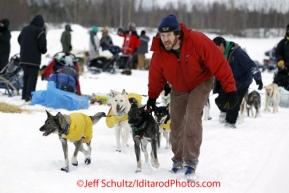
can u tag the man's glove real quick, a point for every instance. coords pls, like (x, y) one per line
(281, 64)
(167, 89)
(231, 100)
(260, 83)
(151, 103)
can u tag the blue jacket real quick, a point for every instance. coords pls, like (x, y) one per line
(243, 67)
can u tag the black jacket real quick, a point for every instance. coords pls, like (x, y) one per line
(282, 51)
(5, 37)
(32, 40)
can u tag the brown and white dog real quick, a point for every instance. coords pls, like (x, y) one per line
(272, 94)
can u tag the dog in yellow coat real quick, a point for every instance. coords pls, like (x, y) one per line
(75, 127)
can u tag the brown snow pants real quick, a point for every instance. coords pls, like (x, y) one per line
(186, 125)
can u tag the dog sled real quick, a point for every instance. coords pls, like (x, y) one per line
(64, 71)
(103, 64)
(11, 77)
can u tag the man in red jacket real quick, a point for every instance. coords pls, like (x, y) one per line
(131, 42)
(188, 60)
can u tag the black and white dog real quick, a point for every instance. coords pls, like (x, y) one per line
(75, 127)
(253, 101)
(163, 118)
(144, 129)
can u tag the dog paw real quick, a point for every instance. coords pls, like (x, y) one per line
(167, 147)
(155, 164)
(146, 163)
(75, 163)
(118, 149)
(87, 161)
(138, 170)
(65, 169)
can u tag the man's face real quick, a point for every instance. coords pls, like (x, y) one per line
(169, 40)
(222, 48)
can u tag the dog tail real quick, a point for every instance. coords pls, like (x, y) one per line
(95, 118)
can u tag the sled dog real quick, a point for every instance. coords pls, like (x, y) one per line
(253, 102)
(118, 118)
(250, 101)
(163, 118)
(75, 127)
(144, 129)
(272, 94)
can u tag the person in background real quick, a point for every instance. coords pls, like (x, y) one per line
(244, 70)
(5, 37)
(131, 42)
(93, 43)
(32, 41)
(188, 60)
(66, 39)
(282, 57)
(105, 41)
(142, 50)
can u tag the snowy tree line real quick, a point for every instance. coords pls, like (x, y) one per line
(222, 16)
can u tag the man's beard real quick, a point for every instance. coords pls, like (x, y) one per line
(170, 46)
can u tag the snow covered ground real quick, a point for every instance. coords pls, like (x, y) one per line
(252, 158)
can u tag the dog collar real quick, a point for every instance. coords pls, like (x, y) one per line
(65, 130)
(141, 127)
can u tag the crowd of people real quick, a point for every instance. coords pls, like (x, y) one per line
(188, 60)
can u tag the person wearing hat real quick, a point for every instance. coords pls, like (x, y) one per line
(282, 58)
(33, 43)
(93, 43)
(5, 37)
(187, 60)
(66, 39)
(105, 41)
(244, 70)
(131, 43)
(142, 50)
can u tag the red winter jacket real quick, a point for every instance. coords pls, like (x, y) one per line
(199, 60)
(130, 42)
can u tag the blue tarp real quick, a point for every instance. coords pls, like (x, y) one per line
(59, 99)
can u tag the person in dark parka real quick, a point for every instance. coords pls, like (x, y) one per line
(32, 40)
(281, 78)
(66, 39)
(244, 71)
(5, 37)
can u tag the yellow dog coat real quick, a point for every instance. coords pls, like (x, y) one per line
(166, 126)
(111, 119)
(80, 126)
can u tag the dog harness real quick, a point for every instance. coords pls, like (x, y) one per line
(166, 126)
(141, 130)
(80, 127)
(112, 119)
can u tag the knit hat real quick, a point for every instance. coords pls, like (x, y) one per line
(94, 29)
(169, 24)
(105, 31)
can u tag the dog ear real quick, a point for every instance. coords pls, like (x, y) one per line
(48, 114)
(168, 106)
(113, 93)
(58, 114)
(123, 92)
